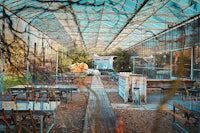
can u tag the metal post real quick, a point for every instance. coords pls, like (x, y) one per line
(51, 59)
(139, 99)
(2, 53)
(34, 65)
(41, 123)
(56, 66)
(192, 63)
(198, 124)
(138, 93)
(43, 51)
(174, 109)
(171, 64)
(28, 58)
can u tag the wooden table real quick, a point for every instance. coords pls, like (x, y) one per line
(194, 92)
(68, 78)
(180, 89)
(59, 89)
(156, 83)
(38, 108)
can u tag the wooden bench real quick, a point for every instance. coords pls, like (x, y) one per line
(183, 90)
(185, 115)
(157, 83)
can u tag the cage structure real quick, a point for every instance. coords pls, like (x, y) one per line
(132, 87)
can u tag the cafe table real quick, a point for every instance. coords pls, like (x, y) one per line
(38, 108)
(59, 89)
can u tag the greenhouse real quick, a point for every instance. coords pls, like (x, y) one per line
(100, 66)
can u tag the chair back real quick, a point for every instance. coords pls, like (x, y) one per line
(23, 120)
(3, 120)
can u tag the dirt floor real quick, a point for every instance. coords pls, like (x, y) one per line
(70, 117)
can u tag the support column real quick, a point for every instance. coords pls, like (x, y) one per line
(192, 63)
(43, 51)
(34, 65)
(28, 58)
(2, 52)
(56, 66)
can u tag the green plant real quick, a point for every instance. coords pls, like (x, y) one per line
(90, 74)
(13, 80)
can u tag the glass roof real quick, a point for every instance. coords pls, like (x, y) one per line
(102, 25)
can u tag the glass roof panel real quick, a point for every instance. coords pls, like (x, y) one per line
(102, 24)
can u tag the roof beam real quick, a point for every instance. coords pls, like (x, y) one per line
(129, 20)
(97, 38)
(18, 16)
(168, 30)
(152, 11)
(78, 26)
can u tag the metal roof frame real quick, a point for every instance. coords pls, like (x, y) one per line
(101, 25)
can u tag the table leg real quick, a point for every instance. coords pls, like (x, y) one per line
(198, 125)
(67, 97)
(41, 123)
(71, 95)
(51, 126)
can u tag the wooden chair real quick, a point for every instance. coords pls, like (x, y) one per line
(47, 95)
(4, 121)
(21, 98)
(24, 121)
